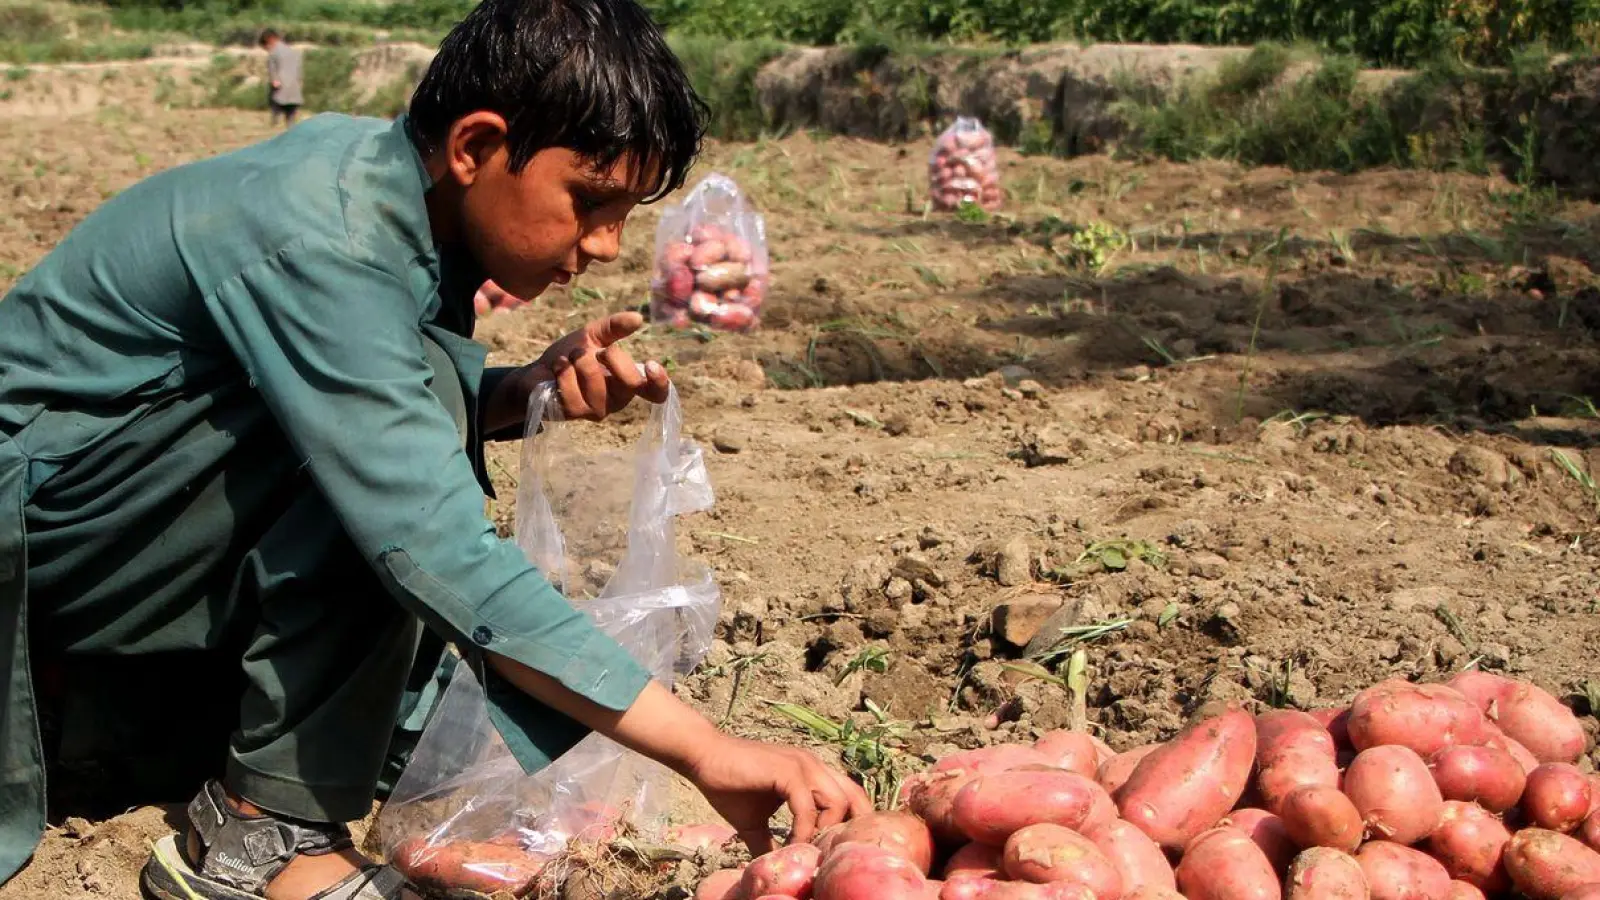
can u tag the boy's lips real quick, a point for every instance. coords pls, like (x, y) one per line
(561, 277)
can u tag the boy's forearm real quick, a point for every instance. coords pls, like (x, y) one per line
(501, 417)
(657, 725)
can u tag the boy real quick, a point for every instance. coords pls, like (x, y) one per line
(284, 91)
(253, 430)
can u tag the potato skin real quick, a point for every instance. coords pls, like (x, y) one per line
(1268, 832)
(1471, 843)
(1323, 817)
(1401, 873)
(991, 808)
(1225, 864)
(867, 872)
(1589, 833)
(1074, 751)
(787, 871)
(1323, 873)
(931, 797)
(1116, 771)
(900, 833)
(1395, 793)
(973, 861)
(1527, 714)
(1548, 865)
(1047, 854)
(988, 760)
(1137, 859)
(1187, 785)
(1587, 892)
(1488, 776)
(1557, 797)
(1293, 750)
(1460, 890)
(471, 865)
(723, 885)
(1425, 718)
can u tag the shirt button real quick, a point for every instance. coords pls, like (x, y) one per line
(482, 635)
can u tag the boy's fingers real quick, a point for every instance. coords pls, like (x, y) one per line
(657, 382)
(591, 382)
(573, 406)
(622, 367)
(613, 328)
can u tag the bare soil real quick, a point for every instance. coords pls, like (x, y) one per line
(1337, 423)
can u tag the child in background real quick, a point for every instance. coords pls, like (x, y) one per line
(284, 81)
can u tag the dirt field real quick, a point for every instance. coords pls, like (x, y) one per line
(1301, 433)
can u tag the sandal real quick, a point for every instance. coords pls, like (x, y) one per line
(241, 854)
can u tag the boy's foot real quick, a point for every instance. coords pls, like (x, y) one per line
(234, 851)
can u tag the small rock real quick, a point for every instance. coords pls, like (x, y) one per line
(1050, 446)
(1494, 656)
(913, 615)
(897, 589)
(728, 440)
(75, 827)
(1030, 389)
(880, 623)
(863, 582)
(1017, 621)
(1209, 566)
(1224, 622)
(1134, 373)
(933, 537)
(913, 567)
(1013, 565)
(1299, 691)
(748, 371)
(1484, 466)
(1015, 375)
(1388, 650)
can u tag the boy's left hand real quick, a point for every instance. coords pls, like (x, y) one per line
(594, 377)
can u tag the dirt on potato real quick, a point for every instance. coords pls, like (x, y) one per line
(1280, 435)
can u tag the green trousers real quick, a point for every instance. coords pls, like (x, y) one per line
(304, 685)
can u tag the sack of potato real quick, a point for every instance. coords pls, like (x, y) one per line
(1459, 791)
(962, 168)
(711, 260)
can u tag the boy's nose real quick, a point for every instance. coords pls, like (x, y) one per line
(602, 244)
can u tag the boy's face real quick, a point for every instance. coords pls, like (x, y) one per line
(543, 225)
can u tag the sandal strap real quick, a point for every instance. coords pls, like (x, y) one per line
(247, 852)
(371, 883)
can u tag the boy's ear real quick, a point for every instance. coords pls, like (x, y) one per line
(473, 141)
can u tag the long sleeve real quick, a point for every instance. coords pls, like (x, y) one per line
(333, 345)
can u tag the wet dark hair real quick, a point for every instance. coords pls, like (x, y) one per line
(592, 76)
(268, 34)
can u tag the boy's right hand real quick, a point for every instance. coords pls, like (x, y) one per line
(747, 781)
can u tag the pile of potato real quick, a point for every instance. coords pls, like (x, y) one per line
(962, 168)
(712, 277)
(1457, 791)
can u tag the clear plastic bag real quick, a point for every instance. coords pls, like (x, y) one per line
(711, 260)
(962, 167)
(465, 820)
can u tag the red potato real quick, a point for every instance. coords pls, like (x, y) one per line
(708, 254)
(1557, 797)
(1115, 771)
(1187, 785)
(1401, 873)
(1337, 720)
(1594, 794)
(867, 872)
(788, 871)
(1070, 750)
(1225, 864)
(1394, 792)
(1138, 860)
(723, 885)
(973, 861)
(700, 837)
(1590, 832)
(1293, 750)
(827, 837)
(991, 807)
(901, 833)
(1423, 717)
(1323, 817)
(1460, 890)
(1548, 865)
(1471, 843)
(1323, 873)
(932, 795)
(1048, 853)
(468, 865)
(1501, 741)
(991, 760)
(1056, 890)
(1489, 776)
(1268, 832)
(1587, 892)
(1527, 714)
(1153, 894)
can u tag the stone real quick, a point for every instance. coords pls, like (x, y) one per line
(728, 440)
(1209, 566)
(1018, 620)
(1484, 466)
(1013, 563)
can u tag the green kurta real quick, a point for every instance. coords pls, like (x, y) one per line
(221, 428)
